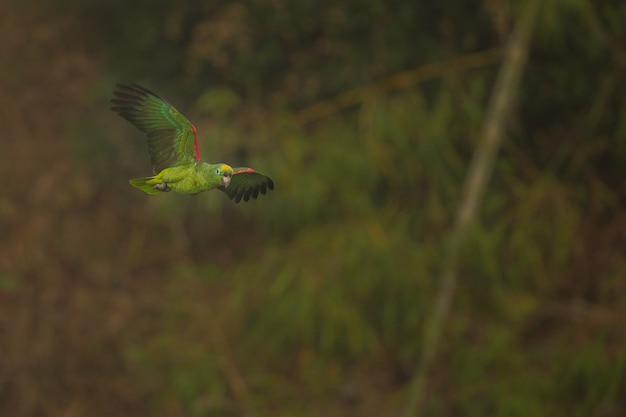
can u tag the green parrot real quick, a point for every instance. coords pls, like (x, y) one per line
(173, 147)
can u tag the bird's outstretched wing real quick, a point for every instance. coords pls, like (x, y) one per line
(246, 183)
(172, 139)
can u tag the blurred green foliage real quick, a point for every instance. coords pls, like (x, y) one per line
(311, 300)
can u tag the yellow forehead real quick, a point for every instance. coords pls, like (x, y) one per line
(226, 169)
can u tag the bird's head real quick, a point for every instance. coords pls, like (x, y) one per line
(225, 173)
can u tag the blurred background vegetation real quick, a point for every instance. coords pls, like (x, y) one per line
(311, 301)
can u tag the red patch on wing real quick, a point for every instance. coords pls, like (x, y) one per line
(243, 171)
(195, 141)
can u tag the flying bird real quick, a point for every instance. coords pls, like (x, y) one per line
(173, 147)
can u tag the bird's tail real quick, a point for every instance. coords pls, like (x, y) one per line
(146, 184)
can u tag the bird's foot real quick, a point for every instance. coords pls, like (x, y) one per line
(161, 187)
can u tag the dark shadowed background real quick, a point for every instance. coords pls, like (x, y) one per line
(311, 301)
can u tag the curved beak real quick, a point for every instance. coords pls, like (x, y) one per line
(225, 181)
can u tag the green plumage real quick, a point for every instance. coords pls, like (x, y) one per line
(173, 148)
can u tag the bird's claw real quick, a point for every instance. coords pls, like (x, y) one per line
(161, 187)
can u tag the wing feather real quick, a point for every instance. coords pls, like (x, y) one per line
(246, 183)
(172, 139)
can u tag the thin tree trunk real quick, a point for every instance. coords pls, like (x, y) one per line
(502, 98)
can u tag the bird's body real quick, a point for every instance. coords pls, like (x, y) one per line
(190, 178)
(173, 146)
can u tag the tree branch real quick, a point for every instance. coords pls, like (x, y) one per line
(399, 81)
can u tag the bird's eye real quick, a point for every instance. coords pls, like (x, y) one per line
(217, 171)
